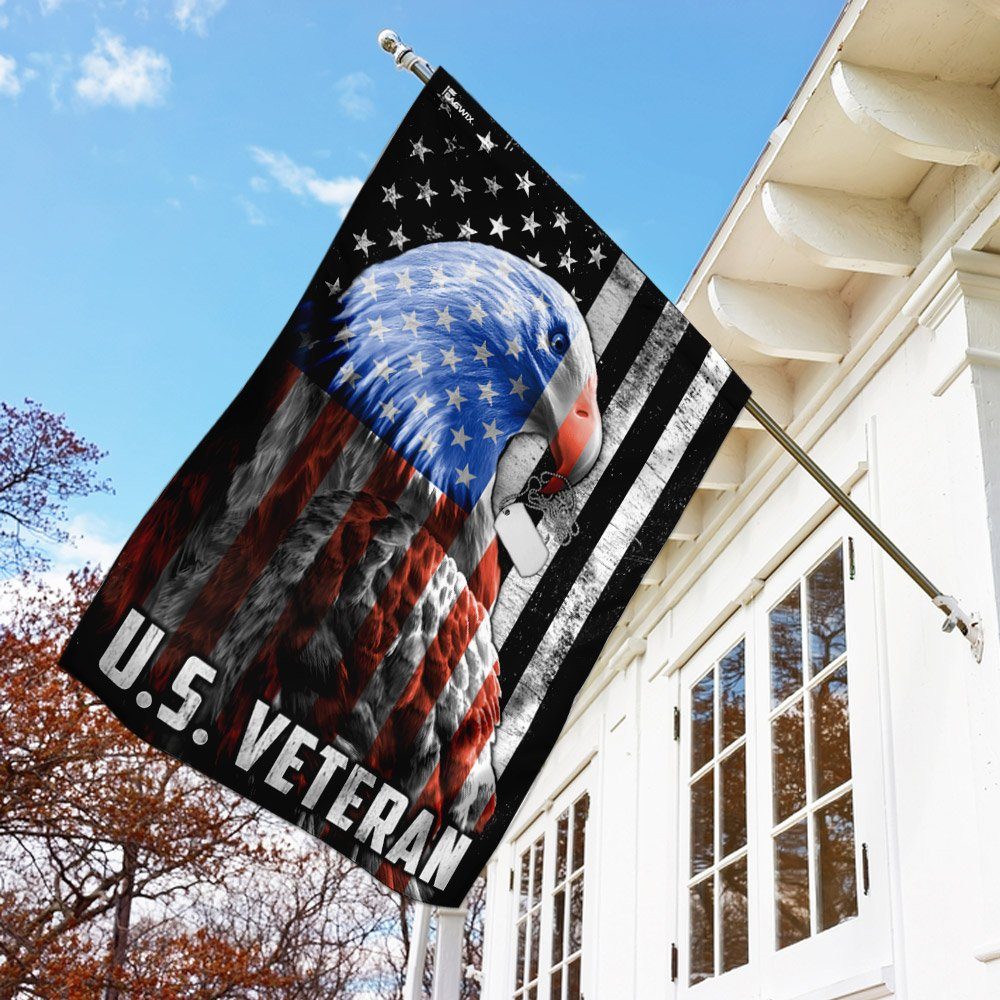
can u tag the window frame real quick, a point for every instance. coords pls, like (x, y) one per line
(861, 943)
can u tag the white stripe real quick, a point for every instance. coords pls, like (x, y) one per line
(523, 704)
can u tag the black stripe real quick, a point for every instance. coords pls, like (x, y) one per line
(617, 479)
(616, 359)
(548, 722)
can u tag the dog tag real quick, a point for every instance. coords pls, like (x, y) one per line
(522, 539)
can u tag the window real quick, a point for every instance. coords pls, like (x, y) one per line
(529, 920)
(812, 804)
(717, 890)
(782, 841)
(567, 901)
(549, 918)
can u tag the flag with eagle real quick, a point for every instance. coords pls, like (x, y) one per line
(317, 610)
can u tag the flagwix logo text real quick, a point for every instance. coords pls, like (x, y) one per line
(449, 97)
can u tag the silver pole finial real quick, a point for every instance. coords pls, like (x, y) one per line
(404, 56)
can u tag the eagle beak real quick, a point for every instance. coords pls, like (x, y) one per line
(577, 445)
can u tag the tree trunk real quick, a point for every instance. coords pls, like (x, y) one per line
(123, 916)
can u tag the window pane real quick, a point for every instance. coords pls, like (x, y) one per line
(702, 722)
(788, 753)
(522, 904)
(734, 924)
(555, 993)
(732, 695)
(576, 916)
(533, 953)
(702, 944)
(791, 885)
(521, 930)
(733, 805)
(838, 894)
(831, 733)
(533, 993)
(573, 981)
(702, 823)
(562, 835)
(825, 587)
(581, 810)
(536, 878)
(785, 636)
(558, 921)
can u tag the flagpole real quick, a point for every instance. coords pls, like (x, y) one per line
(969, 625)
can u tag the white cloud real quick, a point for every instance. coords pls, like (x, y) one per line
(254, 215)
(336, 191)
(259, 184)
(116, 74)
(48, 6)
(195, 14)
(354, 95)
(10, 82)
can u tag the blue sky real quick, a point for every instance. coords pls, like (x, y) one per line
(171, 172)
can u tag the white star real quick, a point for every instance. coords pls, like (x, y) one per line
(567, 260)
(529, 224)
(503, 268)
(576, 297)
(486, 144)
(514, 347)
(450, 145)
(477, 314)
(417, 363)
(432, 233)
(518, 388)
(464, 476)
(492, 185)
(424, 404)
(455, 398)
(390, 410)
(509, 310)
(371, 284)
(445, 318)
(524, 183)
(560, 222)
(344, 336)
(596, 255)
(491, 431)
(376, 328)
(419, 149)
(425, 193)
(383, 369)
(348, 375)
(536, 260)
(363, 243)
(449, 357)
(539, 304)
(542, 343)
(438, 277)
(498, 228)
(410, 322)
(397, 239)
(458, 189)
(404, 281)
(465, 230)
(487, 392)
(483, 353)
(334, 286)
(472, 272)
(391, 195)
(427, 443)
(459, 437)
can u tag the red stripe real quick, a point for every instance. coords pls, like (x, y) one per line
(426, 684)
(485, 581)
(315, 593)
(387, 617)
(200, 479)
(253, 547)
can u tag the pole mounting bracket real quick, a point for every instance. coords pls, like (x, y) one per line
(968, 624)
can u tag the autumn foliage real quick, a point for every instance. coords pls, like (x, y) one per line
(124, 873)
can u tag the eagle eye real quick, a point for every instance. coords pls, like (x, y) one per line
(559, 342)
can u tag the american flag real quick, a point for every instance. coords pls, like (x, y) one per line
(328, 548)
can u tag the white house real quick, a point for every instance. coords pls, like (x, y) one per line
(782, 780)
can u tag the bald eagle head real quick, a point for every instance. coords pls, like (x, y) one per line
(449, 350)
